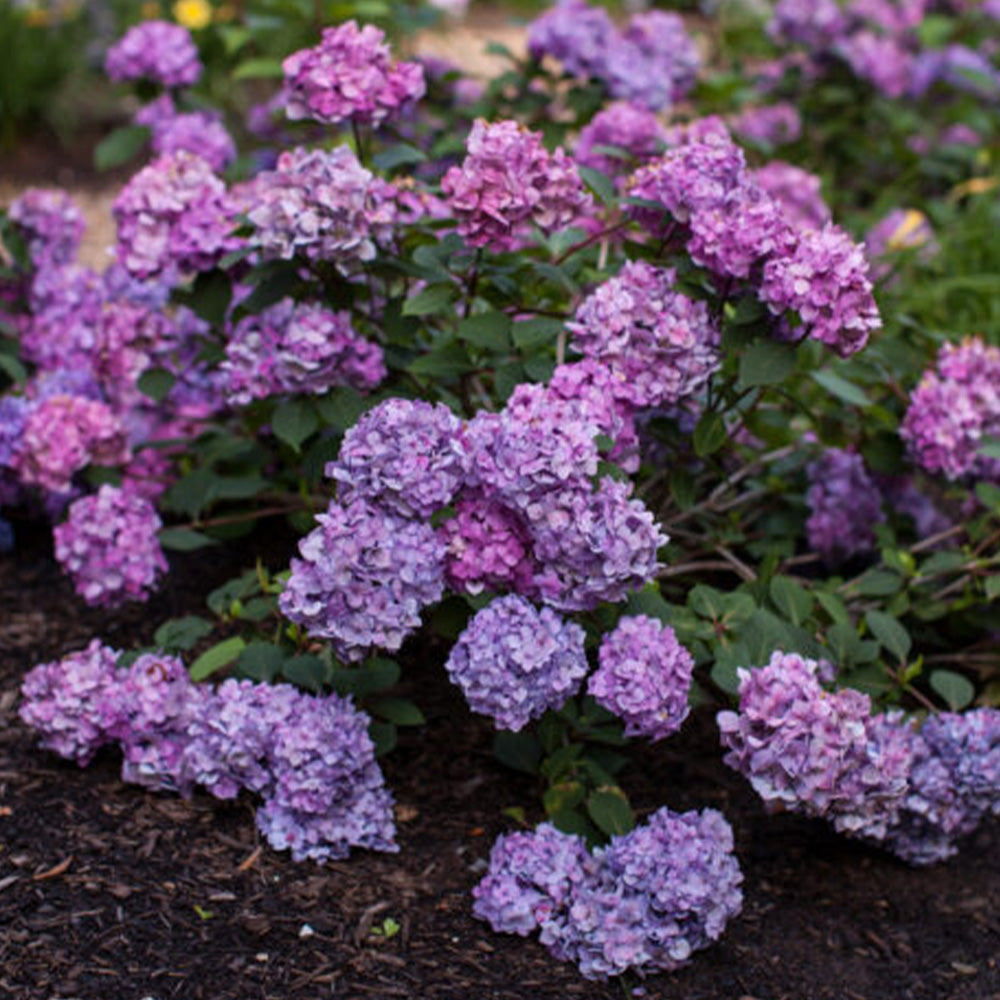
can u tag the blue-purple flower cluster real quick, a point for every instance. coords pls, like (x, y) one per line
(644, 903)
(309, 758)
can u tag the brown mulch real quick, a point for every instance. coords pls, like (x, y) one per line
(108, 892)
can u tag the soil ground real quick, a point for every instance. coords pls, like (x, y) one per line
(108, 892)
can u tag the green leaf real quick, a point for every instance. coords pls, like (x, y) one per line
(342, 408)
(13, 367)
(401, 711)
(215, 658)
(766, 362)
(305, 671)
(990, 447)
(156, 383)
(490, 331)
(956, 690)
(184, 539)
(519, 751)
(650, 602)
(841, 388)
(791, 599)
(992, 587)
(833, 606)
(377, 674)
(384, 735)
(563, 797)
(989, 496)
(878, 583)
(261, 662)
(602, 185)
(609, 808)
(398, 155)
(890, 634)
(121, 146)
(293, 421)
(431, 299)
(530, 333)
(445, 362)
(182, 634)
(258, 69)
(709, 435)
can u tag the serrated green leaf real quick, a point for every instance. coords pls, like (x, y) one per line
(893, 636)
(293, 421)
(306, 671)
(156, 383)
(13, 368)
(384, 735)
(400, 711)
(184, 539)
(956, 690)
(261, 662)
(490, 331)
(602, 185)
(432, 299)
(709, 435)
(399, 155)
(120, 146)
(182, 634)
(530, 333)
(563, 797)
(609, 808)
(791, 599)
(837, 386)
(767, 362)
(445, 362)
(218, 656)
(878, 583)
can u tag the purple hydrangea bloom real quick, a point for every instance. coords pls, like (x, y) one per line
(664, 345)
(810, 751)
(364, 577)
(509, 180)
(404, 455)
(349, 77)
(488, 548)
(173, 216)
(110, 548)
(155, 50)
(825, 280)
(654, 62)
(953, 409)
(195, 132)
(884, 62)
(625, 126)
(773, 125)
(51, 223)
(797, 192)
(845, 505)
(645, 902)
(814, 23)
(576, 34)
(957, 66)
(315, 203)
(514, 662)
(70, 702)
(14, 412)
(294, 347)
(644, 677)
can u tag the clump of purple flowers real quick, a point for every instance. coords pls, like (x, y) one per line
(797, 192)
(110, 548)
(953, 409)
(197, 132)
(644, 677)
(514, 662)
(508, 180)
(294, 347)
(403, 455)
(628, 127)
(845, 505)
(646, 902)
(364, 577)
(772, 125)
(158, 51)
(575, 34)
(349, 76)
(664, 345)
(51, 224)
(315, 203)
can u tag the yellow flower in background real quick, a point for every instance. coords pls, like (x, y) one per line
(193, 14)
(907, 234)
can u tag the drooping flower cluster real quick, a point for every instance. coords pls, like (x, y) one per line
(309, 758)
(173, 216)
(953, 409)
(646, 902)
(508, 180)
(623, 126)
(51, 223)
(653, 62)
(109, 547)
(349, 76)
(293, 347)
(845, 505)
(644, 677)
(315, 203)
(514, 661)
(158, 51)
(662, 344)
(364, 577)
(913, 790)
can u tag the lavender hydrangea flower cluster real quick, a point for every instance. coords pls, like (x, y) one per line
(364, 577)
(644, 677)
(625, 126)
(158, 51)
(195, 132)
(315, 203)
(845, 505)
(773, 125)
(309, 758)
(349, 76)
(51, 223)
(646, 902)
(173, 216)
(662, 344)
(913, 790)
(953, 409)
(293, 347)
(796, 191)
(508, 180)
(514, 662)
(653, 62)
(110, 548)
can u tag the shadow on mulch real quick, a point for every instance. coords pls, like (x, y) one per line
(110, 893)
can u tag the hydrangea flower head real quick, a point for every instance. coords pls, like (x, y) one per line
(574, 33)
(195, 132)
(644, 677)
(514, 662)
(845, 505)
(52, 224)
(796, 191)
(629, 127)
(155, 50)
(349, 76)
(772, 125)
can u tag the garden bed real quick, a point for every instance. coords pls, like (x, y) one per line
(107, 891)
